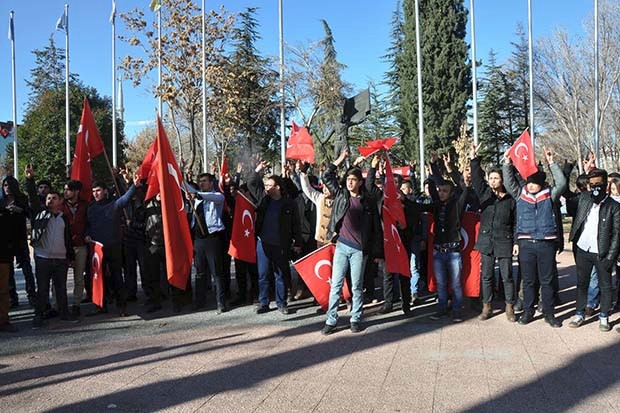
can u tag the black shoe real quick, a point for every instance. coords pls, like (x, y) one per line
(406, 309)
(153, 308)
(52, 313)
(75, 310)
(327, 329)
(284, 310)
(87, 300)
(526, 318)
(68, 318)
(518, 307)
(97, 311)
(262, 309)
(356, 327)
(8, 328)
(32, 300)
(385, 308)
(439, 315)
(14, 304)
(37, 322)
(552, 321)
(221, 309)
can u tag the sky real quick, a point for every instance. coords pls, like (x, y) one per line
(361, 29)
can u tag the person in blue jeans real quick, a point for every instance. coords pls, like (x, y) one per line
(355, 226)
(447, 212)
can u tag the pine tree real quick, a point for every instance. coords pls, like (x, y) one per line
(446, 73)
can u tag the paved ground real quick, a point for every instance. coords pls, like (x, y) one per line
(243, 362)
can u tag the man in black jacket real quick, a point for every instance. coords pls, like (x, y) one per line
(278, 227)
(595, 233)
(496, 235)
(355, 226)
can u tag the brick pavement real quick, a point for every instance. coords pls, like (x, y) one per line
(243, 362)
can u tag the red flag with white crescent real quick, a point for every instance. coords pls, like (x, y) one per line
(316, 271)
(242, 237)
(177, 238)
(396, 255)
(96, 264)
(470, 273)
(522, 155)
(88, 145)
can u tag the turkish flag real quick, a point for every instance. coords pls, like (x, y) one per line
(375, 146)
(88, 145)
(300, 145)
(470, 274)
(522, 155)
(145, 168)
(96, 264)
(242, 238)
(316, 271)
(391, 196)
(177, 238)
(396, 256)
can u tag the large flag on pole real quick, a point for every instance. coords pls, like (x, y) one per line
(522, 155)
(242, 238)
(11, 28)
(63, 22)
(177, 238)
(155, 5)
(88, 145)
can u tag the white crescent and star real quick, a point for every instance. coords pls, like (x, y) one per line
(527, 151)
(247, 213)
(96, 265)
(317, 268)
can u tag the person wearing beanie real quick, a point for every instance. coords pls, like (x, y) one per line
(536, 233)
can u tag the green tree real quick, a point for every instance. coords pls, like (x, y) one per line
(253, 117)
(495, 112)
(446, 72)
(42, 134)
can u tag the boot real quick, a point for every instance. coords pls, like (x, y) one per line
(510, 313)
(486, 311)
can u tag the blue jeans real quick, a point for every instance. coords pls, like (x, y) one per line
(346, 257)
(593, 289)
(267, 257)
(448, 265)
(414, 265)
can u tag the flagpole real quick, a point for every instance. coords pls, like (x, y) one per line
(159, 100)
(204, 95)
(12, 37)
(67, 125)
(420, 103)
(120, 107)
(114, 137)
(282, 102)
(474, 80)
(531, 64)
(596, 97)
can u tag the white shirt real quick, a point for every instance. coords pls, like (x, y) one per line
(588, 240)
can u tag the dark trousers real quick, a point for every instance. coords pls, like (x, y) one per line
(152, 274)
(243, 271)
(370, 273)
(23, 259)
(271, 257)
(208, 259)
(388, 288)
(55, 270)
(584, 262)
(134, 256)
(113, 263)
(537, 261)
(488, 275)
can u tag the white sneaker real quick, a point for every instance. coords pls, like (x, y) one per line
(577, 321)
(603, 324)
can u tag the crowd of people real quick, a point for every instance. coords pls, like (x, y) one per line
(303, 209)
